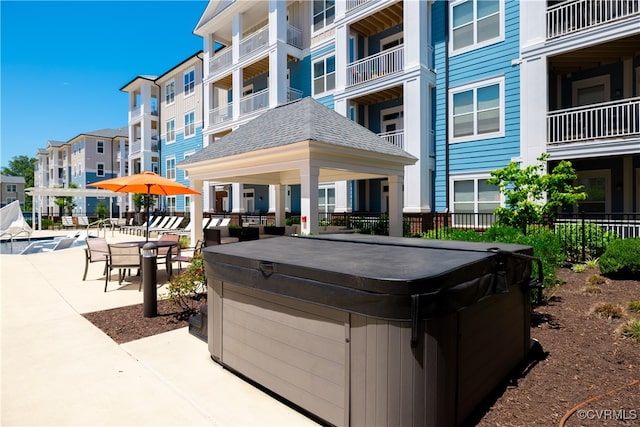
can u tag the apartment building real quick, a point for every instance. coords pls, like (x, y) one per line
(84, 159)
(11, 189)
(580, 95)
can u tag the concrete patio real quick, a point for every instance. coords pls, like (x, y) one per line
(59, 369)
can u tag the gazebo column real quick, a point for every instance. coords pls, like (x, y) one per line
(280, 199)
(395, 205)
(309, 199)
(195, 209)
(237, 191)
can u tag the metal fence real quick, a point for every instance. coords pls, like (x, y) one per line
(582, 235)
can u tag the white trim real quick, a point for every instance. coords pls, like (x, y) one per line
(186, 155)
(98, 141)
(471, 176)
(638, 185)
(193, 124)
(399, 120)
(97, 168)
(167, 168)
(474, 86)
(475, 46)
(167, 140)
(393, 37)
(326, 91)
(172, 81)
(192, 69)
(325, 26)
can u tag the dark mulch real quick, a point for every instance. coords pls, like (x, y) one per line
(585, 357)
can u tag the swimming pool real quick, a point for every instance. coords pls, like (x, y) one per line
(38, 245)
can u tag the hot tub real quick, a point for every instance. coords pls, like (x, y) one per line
(368, 330)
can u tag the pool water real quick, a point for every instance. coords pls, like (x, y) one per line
(33, 246)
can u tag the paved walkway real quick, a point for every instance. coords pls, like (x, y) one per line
(60, 370)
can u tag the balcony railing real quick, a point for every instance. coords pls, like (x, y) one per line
(254, 41)
(375, 66)
(221, 114)
(395, 137)
(254, 102)
(352, 4)
(614, 119)
(576, 15)
(293, 94)
(221, 59)
(294, 36)
(136, 146)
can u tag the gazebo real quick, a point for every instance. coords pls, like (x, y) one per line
(302, 142)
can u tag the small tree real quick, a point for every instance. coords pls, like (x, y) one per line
(66, 203)
(531, 196)
(141, 200)
(101, 209)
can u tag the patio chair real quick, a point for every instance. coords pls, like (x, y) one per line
(83, 221)
(122, 256)
(180, 258)
(67, 221)
(97, 250)
(224, 222)
(166, 254)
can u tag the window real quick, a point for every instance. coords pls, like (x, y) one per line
(475, 23)
(10, 199)
(473, 195)
(477, 111)
(189, 82)
(100, 147)
(326, 199)
(171, 130)
(12, 188)
(324, 75)
(248, 199)
(187, 155)
(596, 184)
(171, 205)
(189, 124)
(170, 92)
(187, 204)
(171, 168)
(323, 13)
(100, 169)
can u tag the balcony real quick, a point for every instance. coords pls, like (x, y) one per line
(577, 15)
(354, 4)
(294, 94)
(616, 119)
(221, 59)
(375, 66)
(136, 146)
(395, 137)
(294, 36)
(254, 102)
(254, 41)
(221, 114)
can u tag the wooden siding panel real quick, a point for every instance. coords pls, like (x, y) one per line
(296, 349)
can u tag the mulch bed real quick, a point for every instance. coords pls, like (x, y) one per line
(585, 357)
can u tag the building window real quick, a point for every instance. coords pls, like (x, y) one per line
(10, 200)
(596, 184)
(326, 200)
(475, 23)
(187, 155)
(477, 111)
(100, 147)
(187, 204)
(171, 205)
(324, 75)
(170, 92)
(475, 196)
(171, 130)
(12, 188)
(100, 169)
(323, 13)
(189, 82)
(171, 168)
(189, 124)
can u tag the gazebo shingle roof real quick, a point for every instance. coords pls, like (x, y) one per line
(301, 120)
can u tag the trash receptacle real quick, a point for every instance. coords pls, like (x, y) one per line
(371, 330)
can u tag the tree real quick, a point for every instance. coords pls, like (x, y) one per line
(23, 166)
(102, 210)
(66, 203)
(532, 196)
(141, 200)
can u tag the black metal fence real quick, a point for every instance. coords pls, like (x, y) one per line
(583, 235)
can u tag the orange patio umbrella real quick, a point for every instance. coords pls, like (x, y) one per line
(147, 183)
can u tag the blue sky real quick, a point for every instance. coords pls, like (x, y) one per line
(63, 63)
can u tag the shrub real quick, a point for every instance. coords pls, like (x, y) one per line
(188, 287)
(595, 280)
(592, 263)
(631, 329)
(592, 290)
(579, 268)
(608, 311)
(634, 306)
(621, 259)
(594, 239)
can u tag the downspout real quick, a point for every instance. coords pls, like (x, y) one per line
(446, 105)
(159, 133)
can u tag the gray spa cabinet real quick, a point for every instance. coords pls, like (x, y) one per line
(369, 330)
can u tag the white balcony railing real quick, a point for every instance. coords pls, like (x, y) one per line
(614, 119)
(221, 59)
(136, 146)
(254, 41)
(293, 94)
(221, 114)
(375, 66)
(254, 102)
(395, 137)
(294, 36)
(136, 111)
(352, 4)
(576, 15)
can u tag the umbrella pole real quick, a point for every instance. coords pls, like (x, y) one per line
(147, 208)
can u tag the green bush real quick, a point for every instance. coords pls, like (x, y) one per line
(621, 259)
(596, 239)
